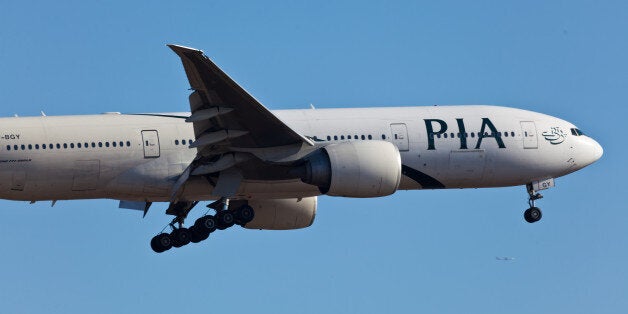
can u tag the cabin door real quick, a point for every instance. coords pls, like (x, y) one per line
(399, 133)
(150, 141)
(528, 132)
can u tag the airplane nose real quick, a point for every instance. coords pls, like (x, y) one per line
(592, 151)
(598, 151)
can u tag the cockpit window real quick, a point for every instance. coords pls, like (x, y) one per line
(576, 132)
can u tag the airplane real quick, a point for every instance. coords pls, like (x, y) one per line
(504, 258)
(263, 169)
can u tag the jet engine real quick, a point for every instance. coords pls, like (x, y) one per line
(354, 169)
(281, 214)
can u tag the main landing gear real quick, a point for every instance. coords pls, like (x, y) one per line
(180, 236)
(532, 214)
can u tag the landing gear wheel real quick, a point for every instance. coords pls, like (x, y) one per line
(161, 243)
(180, 237)
(244, 215)
(197, 235)
(224, 219)
(205, 224)
(532, 214)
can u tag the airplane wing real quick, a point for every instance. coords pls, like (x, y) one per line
(224, 114)
(227, 121)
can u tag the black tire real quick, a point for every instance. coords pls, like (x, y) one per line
(244, 215)
(197, 235)
(180, 237)
(161, 243)
(206, 224)
(224, 219)
(532, 214)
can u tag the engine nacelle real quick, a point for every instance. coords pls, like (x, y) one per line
(355, 169)
(282, 214)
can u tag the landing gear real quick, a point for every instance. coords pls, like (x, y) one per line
(244, 215)
(180, 237)
(161, 243)
(224, 219)
(532, 214)
(203, 226)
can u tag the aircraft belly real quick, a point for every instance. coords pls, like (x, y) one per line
(200, 189)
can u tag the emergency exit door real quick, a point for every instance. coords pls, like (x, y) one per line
(150, 141)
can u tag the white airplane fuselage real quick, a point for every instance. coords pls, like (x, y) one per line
(139, 157)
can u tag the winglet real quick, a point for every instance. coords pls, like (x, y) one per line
(178, 49)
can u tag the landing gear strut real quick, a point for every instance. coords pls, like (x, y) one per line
(203, 227)
(532, 214)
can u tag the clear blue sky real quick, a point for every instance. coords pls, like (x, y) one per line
(413, 252)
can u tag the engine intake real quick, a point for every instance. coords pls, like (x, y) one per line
(354, 169)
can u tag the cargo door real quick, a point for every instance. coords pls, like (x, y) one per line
(86, 175)
(467, 166)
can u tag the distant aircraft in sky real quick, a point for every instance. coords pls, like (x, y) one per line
(264, 170)
(504, 258)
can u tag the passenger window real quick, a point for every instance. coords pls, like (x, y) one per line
(93, 144)
(355, 137)
(183, 142)
(8, 147)
(106, 144)
(342, 137)
(71, 145)
(445, 135)
(65, 145)
(43, 146)
(14, 147)
(176, 142)
(472, 134)
(128, 144)
(30, 146)
(99, 144)
(335, 137)
(363, 137)
(78, 145)
(36, 146)
(383, 136)
(370, 137)
(113, 144)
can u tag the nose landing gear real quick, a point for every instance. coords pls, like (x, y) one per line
(532, 214)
